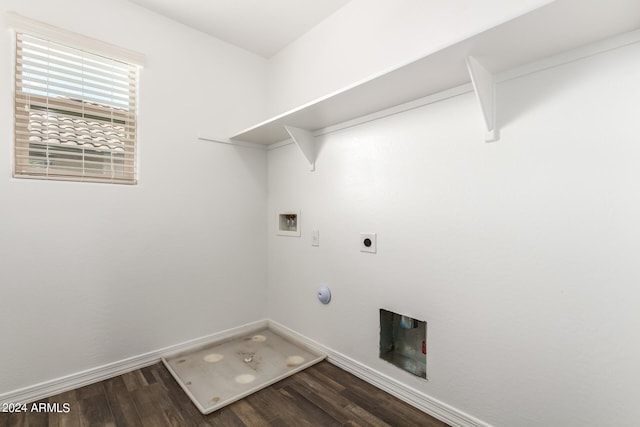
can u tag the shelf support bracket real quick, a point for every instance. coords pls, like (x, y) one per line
(485, 89)
(304, 139)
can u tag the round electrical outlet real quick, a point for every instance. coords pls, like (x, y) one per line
(368, 242)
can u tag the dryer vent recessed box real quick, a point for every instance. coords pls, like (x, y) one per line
(403, 342)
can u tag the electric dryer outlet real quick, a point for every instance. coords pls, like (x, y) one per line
(368, 242)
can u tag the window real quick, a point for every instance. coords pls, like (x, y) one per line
(75, 113)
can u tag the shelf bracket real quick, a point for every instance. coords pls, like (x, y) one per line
(485, 89)
(304, 139)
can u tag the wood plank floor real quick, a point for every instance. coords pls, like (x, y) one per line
(322, 395)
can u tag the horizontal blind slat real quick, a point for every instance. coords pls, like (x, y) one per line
(54, 90)
(42, 65)
(86, 165)
(73, 108)
(47, 146)
(28, 70)
(74, 126)
(42, 47)
(26, 40)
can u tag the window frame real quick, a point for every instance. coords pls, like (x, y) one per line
(75, 113)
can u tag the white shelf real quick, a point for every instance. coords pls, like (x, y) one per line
(555, 28)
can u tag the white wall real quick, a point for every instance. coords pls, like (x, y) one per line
(94, 273)
(521, 254)
(368, 37)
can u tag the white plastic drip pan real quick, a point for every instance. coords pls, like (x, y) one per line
(219, 373)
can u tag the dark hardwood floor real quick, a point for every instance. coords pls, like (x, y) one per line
(322, 395)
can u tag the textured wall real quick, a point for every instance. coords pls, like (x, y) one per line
(92, 274)
(521, 254)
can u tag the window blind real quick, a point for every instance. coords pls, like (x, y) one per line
(75, 114)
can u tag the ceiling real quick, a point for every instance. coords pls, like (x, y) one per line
(263, 27)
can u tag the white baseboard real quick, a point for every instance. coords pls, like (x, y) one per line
(90, 376)
(416, 398)
(424, 402)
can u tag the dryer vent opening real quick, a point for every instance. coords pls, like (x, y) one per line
(403, 342)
